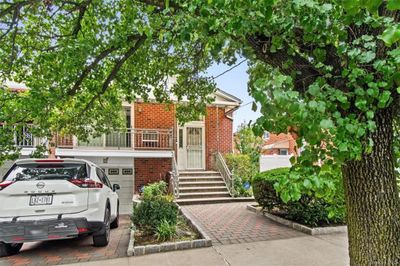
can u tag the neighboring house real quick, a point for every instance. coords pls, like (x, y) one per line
(278, 144)
(277, 150)
(145, 152)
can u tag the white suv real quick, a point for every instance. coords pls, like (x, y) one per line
(55, 199)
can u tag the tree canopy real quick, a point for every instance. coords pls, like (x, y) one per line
(81, 58)
(327, 71)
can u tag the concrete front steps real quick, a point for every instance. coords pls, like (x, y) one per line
(204, 187)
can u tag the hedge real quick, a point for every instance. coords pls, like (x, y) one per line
(309, 209)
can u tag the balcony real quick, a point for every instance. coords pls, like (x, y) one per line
(138, 139)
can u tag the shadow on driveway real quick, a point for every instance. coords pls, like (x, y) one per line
(72, 250)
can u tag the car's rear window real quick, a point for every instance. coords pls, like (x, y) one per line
(35, 171)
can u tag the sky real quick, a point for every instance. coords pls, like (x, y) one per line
(235, 83)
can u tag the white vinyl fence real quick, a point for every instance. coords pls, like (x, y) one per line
(268, 162)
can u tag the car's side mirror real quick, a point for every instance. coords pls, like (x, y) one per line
(116, 187)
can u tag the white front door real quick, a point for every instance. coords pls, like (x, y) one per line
(191, 152)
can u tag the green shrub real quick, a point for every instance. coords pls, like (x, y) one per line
(311, 207)
(154, 190)
(149, 214)
(314, 212)
(263, 187)
(165, 231)
(243, 171)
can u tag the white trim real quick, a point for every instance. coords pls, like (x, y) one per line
(228, 96)
(114, 153)
(224, 103)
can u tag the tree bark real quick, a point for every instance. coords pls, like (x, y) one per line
(372, 200)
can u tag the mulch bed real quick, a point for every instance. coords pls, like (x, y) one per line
(283, 215)
(183, 233)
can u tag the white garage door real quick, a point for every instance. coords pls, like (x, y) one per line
(123, 177)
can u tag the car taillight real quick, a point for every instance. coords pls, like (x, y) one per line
(82, 230)
(86, 183)
(5, 184)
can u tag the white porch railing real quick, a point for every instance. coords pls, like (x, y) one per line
(175, 177)
(141, 139)
(23, 137)
(221, 167)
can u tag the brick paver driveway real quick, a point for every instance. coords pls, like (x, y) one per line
(232, 223)
(72, 250)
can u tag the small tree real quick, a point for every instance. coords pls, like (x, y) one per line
(248, 143)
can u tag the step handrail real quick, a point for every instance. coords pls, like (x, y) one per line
(223, 169)
(175, 177)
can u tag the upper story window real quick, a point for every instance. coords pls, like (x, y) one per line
(283, 151)
(266, 135)
(150, 138)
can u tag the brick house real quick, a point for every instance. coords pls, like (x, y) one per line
(278, 144)
(153, 142)
(276, 150)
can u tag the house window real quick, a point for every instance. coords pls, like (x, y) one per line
(283, 152)
(266, 135)
(113, 171)
(150, 138)
(180, 138)
(127, 171)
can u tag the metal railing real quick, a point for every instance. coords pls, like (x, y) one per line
(226, 174)
(175, 176)
(117, 140)
(23, 137)
(143, 139)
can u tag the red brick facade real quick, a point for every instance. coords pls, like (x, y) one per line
(219, 134)
(154, 115)
(150, 170)
(281, 140)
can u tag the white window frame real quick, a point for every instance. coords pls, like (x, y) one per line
(147, 133)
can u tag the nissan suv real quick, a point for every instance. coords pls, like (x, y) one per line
(53, 199)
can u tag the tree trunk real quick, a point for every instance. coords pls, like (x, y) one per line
(372, 200)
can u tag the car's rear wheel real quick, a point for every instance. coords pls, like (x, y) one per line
(115, 223)
(102, 239)
(9, 249)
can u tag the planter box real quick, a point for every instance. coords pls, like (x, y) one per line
(205, 241)
(299, 227)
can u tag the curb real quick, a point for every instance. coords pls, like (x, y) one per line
(297, 226)
(131, 245)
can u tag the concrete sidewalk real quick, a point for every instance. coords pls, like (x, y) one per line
(305, 250)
